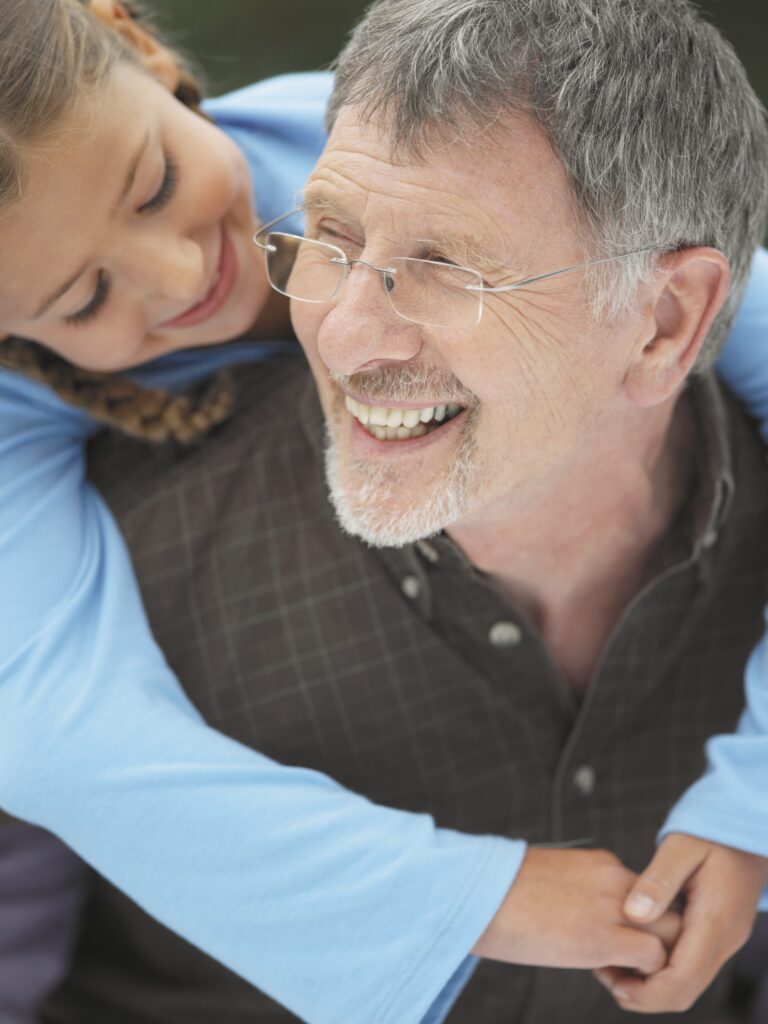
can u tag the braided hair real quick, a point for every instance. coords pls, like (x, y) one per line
(47, 48)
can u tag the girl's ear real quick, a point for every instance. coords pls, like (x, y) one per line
(157, 59)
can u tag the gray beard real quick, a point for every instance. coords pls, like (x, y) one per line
(364, 496)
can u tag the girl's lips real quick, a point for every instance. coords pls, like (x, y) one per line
(226, 276)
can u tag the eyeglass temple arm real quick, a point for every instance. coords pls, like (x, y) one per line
(271, 223)
(567, 270)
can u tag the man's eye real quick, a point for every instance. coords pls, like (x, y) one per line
(91, 309)
(338, 238)
(167, 188)
(326, 234)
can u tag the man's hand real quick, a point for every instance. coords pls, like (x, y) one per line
(564, 909)
(721, 887)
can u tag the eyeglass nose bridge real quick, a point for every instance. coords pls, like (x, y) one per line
(386, 274)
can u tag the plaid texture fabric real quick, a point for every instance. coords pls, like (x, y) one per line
(408, 677)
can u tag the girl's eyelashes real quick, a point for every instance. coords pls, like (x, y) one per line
(163, 195)
(94, 304)
(167, 187)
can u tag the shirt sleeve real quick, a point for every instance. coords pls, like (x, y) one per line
(279, 124)
(729, 804)
(278, 872)
(743, 364)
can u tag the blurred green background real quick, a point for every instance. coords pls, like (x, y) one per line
(239, 41)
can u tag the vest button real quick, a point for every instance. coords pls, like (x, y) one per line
(411, 587)
(709, 539)
(584, 779)
(505, 634)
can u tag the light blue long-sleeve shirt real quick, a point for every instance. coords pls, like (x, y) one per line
(276, 871)
(729, 804)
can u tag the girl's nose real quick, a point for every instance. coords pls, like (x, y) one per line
(170, 267)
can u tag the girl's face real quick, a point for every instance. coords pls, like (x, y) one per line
(132, 236)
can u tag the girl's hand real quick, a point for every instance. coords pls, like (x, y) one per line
(720, 888)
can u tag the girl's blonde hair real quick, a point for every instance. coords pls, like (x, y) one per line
(49, 51)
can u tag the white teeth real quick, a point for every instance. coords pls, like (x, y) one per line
(397, 433)
(398, 424)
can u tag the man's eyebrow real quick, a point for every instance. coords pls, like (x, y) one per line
(130, 177)
(467, 247)
(471, 250)
(319, 199)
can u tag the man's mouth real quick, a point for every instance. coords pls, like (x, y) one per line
(390, 424)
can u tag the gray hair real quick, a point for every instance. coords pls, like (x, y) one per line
(645, 104)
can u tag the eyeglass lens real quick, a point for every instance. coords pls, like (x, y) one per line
(423, 291)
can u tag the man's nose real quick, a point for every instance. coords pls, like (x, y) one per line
(362, 327)
(168, 266)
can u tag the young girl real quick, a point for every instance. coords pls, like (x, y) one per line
(141, 250)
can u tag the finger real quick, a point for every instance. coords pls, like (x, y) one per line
(693, 965)
(609, 977)
(656, 888)
(668, 928)
(637, 950)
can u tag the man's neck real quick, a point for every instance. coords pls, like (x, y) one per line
(575, 554)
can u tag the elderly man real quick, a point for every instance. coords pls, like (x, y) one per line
(533, 220)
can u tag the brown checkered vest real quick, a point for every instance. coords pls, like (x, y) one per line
(299, 641)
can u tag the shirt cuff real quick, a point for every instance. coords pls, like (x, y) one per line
(424, 995)
(717, 824)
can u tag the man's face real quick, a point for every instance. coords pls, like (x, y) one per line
(524, 391)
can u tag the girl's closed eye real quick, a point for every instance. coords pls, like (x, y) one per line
(160, 199)
(167, 188)
(94, 304)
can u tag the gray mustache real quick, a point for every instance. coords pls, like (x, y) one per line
(408, 383)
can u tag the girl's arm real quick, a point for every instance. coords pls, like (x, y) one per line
(322, 899)
(743, 364)
(711, 836)
(729, 804)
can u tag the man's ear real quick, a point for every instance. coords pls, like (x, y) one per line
(153, 56)
(690, 292)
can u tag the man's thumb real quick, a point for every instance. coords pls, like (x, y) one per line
(656, 888)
